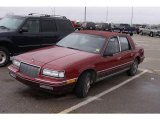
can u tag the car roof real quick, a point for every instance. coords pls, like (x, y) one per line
(36, 16)
(99, 33)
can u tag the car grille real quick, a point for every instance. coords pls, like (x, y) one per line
(29, 70)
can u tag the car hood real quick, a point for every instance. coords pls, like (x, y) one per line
(55, 56)
(4, 30)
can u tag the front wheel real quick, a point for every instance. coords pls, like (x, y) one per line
(151, 34)
(133, 69)
(83, 85)
(4, 56)
(142, 33)
(131, 34)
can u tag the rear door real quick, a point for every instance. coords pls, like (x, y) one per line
(49, 33)
(126, 55)
(64, 28)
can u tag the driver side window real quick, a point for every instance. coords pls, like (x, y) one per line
(32, 26)
(112, 47)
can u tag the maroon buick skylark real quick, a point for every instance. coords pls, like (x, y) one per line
(78, 61)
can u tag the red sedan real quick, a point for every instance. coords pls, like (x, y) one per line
(78, 61)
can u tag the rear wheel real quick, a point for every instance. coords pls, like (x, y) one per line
(4, 56)
(133, 69)
(83, 85)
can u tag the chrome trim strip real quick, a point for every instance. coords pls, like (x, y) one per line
(119, 44)
(102, 78)
(30, 64)
(114, 67)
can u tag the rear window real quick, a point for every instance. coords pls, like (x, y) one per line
(64, 25)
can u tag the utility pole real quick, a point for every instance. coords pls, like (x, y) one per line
(107, 14)
(85, 14)
(54, 10)
(132, 17)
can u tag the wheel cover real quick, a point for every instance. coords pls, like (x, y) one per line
(88, 81)
(3, 57)
(135, 67)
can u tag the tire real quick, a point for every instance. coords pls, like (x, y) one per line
(151, 34)
(142, 33)
(4, 56)
(131, 34)
(83, 85)
(133, 69)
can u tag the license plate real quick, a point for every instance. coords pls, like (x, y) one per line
(46, 87)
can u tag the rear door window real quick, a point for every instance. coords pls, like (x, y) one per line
(64, 25)
(124, 44)
(48, 26)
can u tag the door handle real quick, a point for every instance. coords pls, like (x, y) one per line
(131, 54)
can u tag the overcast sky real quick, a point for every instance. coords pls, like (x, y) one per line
(149, 15)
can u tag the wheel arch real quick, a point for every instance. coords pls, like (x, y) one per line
(7, 44)
(91, 70)
(138, 58)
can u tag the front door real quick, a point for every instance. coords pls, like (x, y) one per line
(30, 38)
(111, 59)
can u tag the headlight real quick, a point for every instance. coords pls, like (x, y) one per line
(16, 63)
(53, 73)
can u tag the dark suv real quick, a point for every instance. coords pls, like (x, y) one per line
(19, 34)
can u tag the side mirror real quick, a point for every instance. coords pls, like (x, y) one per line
(24, 29)
(108, 54)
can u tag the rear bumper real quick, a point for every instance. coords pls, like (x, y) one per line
(38, 83)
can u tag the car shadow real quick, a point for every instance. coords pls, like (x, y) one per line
(98, 87)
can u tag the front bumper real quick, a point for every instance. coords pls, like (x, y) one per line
(54, 86)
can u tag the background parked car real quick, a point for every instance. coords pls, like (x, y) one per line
(141, 28)
(151, 31)
(22, 33)
(88, 26)
(137, 28)
(76, 25)
(128, 29)
(103, 26)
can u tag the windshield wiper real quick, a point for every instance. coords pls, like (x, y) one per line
(72, 48)
(4, 27)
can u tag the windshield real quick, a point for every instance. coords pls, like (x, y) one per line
(83, 42)
(11, 23)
